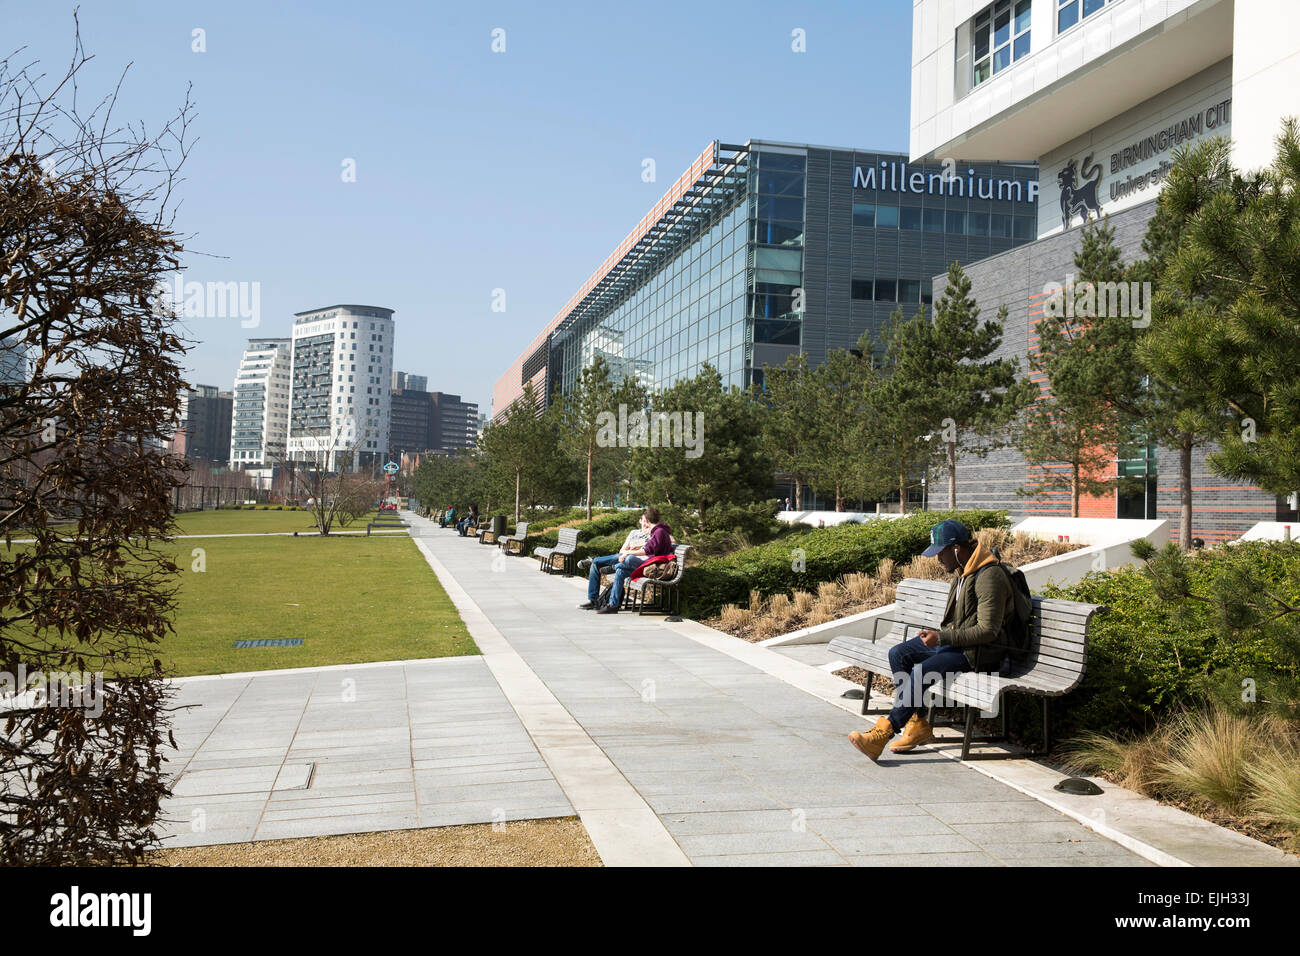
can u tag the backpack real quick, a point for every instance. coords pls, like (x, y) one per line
(1018, 642)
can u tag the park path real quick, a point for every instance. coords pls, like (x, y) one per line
(738, 766)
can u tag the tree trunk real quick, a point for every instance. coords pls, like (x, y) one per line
(1074, 491)
(588, 484)
(839, 499)
(902, 492)
(1185, 493)
(798, 494)
(952, 476)
(518, 473)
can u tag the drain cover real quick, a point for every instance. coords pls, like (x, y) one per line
(271, 642)
(1079, 786)
(853, 693)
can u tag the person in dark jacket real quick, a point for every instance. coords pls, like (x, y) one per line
(971, 637)
(659, 543)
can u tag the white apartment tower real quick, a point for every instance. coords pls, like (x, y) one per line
(340, 391)
(259, 428)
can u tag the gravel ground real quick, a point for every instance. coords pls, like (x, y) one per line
(556, 842)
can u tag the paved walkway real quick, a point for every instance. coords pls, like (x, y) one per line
(738, 766)
(351, 749)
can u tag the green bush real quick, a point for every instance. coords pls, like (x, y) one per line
(1148, 658)
(828, 553)
(591, 534)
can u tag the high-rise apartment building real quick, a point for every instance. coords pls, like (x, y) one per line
(259, 429)
(339, 402)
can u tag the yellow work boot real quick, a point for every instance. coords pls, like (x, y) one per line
(873, 741)
(918, 731)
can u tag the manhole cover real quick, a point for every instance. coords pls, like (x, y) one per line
(270, 642)
(853, 693)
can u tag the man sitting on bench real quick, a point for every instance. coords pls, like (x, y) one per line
(634, 543)
(970, 638)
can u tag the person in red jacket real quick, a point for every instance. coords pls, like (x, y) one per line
(660, 543)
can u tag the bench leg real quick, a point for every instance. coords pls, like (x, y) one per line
(1027, 755)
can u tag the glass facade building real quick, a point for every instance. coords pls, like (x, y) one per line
(769, 249)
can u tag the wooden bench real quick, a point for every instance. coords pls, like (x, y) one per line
(564, 549)
(1054, 666)
(667, 594)
(519, 537)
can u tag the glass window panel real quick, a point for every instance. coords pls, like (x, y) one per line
(862, 289)
(886, 217)
(977, 224)
(786, 259)
(981, 39)
(1020, 47)
(909, 290)
(932, 220)
(781, 161)
(1001, 28)
(1022, 15)
(1000, 226)
(1067, 16)
(1001, 58)
(1092, 6)
(780, 182)
(778, 207)
(909, 218)
(776, 332)
(955, 222)
(1024, 227)
(864, 214)
(886, 290)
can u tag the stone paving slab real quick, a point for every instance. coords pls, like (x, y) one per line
(399, 746)
(741, 767)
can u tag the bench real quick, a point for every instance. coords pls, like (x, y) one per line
(667, 594)
(519, 537)
(1054, 666)
(564, 549)
(484, 531)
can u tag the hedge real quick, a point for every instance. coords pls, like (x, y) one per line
(1147, 658)
(591, 534)
(828, 553)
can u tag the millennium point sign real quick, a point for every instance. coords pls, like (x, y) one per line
(899, 177)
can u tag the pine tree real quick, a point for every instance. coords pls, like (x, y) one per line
(790, 422)
(1085, 354)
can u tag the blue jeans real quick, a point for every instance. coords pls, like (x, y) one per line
(593, 576)
(911, 664)
(621, 571)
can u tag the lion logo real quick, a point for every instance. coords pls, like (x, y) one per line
(1079, 199)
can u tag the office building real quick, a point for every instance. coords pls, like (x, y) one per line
(407, 382)
(763, 250)
(203, 426)
(1100, 93)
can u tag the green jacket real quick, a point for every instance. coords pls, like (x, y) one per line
(976, 621)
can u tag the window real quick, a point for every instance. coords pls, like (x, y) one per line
(1068, 12)
(886, 290)
(864, 214)
(955, 222)
(977, 224)
(1000, 226)
(862, 289)
(886, 217)
(909, 218)
(932, 220)
(999, 37)
(909, 290)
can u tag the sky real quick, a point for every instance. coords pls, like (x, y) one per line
(475, 170)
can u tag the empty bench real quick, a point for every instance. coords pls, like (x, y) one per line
(484, 531)
(1054, 665)
(564, 549)
(667, 592)
(518, 538)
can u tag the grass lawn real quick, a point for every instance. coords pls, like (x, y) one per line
(350, 599)
(249, 522)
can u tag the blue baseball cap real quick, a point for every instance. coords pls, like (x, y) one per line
(944, 534)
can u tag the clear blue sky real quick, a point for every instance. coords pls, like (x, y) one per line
(475, 170)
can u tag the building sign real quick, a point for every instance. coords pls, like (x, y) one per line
(897, 177)
(1109, 176)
